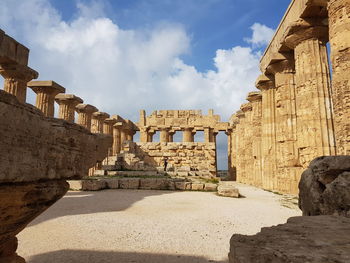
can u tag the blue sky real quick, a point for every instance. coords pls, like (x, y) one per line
(125, 55)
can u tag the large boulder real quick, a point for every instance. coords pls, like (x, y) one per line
(316, 239)
(324, 188)
(228, 189)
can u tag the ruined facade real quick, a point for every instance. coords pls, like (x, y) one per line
(299, 113)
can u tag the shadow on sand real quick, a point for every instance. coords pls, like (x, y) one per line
(77, 203)
(88, 256)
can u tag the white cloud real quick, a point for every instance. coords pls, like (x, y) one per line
(121, 71)
(262, 35)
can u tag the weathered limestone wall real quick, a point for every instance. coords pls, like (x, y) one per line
(188, 158)
(304, 112)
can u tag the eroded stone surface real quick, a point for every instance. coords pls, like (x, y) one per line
(324, 187)
(316, 239)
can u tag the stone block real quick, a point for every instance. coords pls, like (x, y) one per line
(75, 184)
(171, 185)
(93, 185)
(99, 172)
(154, 184)
(129, 183)
(111, 183)
(210, 187)
(228, 190)
(197, 187)
(182, 186)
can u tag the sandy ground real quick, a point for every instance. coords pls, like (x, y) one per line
(148, 226)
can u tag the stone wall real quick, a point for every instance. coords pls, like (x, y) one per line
(188, 158)
(300, 112)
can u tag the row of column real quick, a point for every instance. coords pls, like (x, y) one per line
(280, 131)
(167, 134)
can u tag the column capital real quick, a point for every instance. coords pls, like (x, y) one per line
(85, 108)
(100, 115)
(240, 114)
(48, 87)
(110, 121)
(246, 107)
(17, 71)
(283, 66)
(63, 98)
(264, 83)
(305, 29)
(254, 96)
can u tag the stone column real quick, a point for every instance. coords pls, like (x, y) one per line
(187, 135)
(116, 147)
(255, 98)
(234, 144)
(240, 170)
(288, 171)
(314, 114)
(16, 78)
(85, 112)
(171, 136)
(130, 135)
(143, 134)
(268, 132)
(229, 152)
(108, 129)
(164, 134)
(97, 121)
(339, 32)
(150, 134)
(209, 134)
(45, 95)
(67, 104)
(247, 155)
(123, 135)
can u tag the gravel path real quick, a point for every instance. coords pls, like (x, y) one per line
(148, 226)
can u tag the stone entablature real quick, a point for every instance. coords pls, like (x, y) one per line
(168, 122)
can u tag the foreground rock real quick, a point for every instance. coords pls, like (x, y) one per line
(37, 154)
(317, 239)
(325, 187)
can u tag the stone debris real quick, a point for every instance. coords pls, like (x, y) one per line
(228, 189)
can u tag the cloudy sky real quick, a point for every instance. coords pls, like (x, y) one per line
(126, 55)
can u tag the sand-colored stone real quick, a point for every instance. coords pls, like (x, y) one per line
(85, 112)
(45, 95)
(67, 104)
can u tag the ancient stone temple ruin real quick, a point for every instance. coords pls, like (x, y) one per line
(299, 112)
(183, 158)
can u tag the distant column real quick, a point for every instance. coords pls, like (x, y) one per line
(164, 134)
(45, 95)
(85, 112)
(116, 138)
(16, 79)
(187, 135)
(97, 122)
(67, 104)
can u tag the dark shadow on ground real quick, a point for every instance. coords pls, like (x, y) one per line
(88, 256)
(88, 202)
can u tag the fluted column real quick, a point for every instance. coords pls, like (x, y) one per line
(288, 170)
(97, 121)
(164, 134)
(240, 171)
(16, 79)
(130, 135)
(209, 134)
(67, 104)
(116, 138)
(248, 147)
(315, 135)
(143, 134)
(268, 132)
(171, 135)
(45, 95)
(108, 129)
(85, 112)
(339, 32)
(187, 135)
(255, 98)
